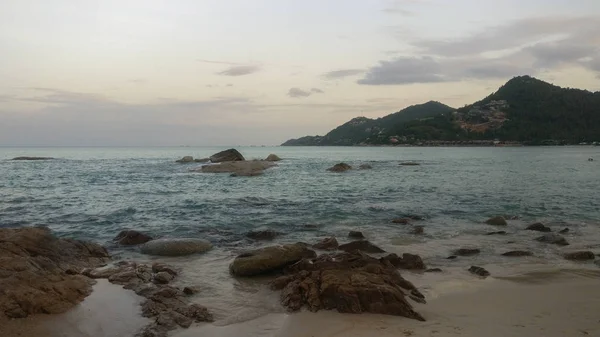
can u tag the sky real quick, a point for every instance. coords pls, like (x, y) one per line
(258, 72)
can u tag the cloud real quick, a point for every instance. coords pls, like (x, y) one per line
(297, 93)
(239, 70)
(219, 62)
(342, 73)
(404, 70)
(317, 91)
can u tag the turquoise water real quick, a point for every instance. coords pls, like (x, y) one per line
(93, 193)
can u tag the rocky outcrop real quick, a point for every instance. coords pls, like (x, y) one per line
(348, 283)
(479, 271)
(538, 227)
(466, 252)
(361, 245)
(185, 160)
(175, 247)
(327, 244)
(272, 157)
(39, 273)
(269, 259)
(580, 256)
(32, 158)
(407, 261)
(227, 155)
(266, 234)
(553, 239)
(517, 253)
(131, 238)
(356, 235)
(341, 167)
(497, 221)
(239, 168)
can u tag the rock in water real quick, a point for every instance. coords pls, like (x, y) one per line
(269, 259)
(32, 158)
(327, 244)
(348, 283)
(539, 227)
(272, 157)
(175, 247)
(341, 167)
(479, 271)
(202, 160)
(362, 245)
(407, 261)
(553, 238)
(580, 256)
(466, 252)
(564, 231)
(186, 160)
(418, 230)
(518, 253)
(267, 234)
(496, 221)
(356, 235)
(131, 238)
(365, 167)
(39, 272)
(402, 221)
(227, 155)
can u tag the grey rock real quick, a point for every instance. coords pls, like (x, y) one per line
(131, 238)
(175, 247)
(553, 239)
(272, 157)
(269, 259)
(227, 155)
(341, 167)
(580, 256)
(518, 253)
(361, 245)
(433, 270)
(327, 244)
(479, 271)
(539, 227)
(186, 160)
(497, 221)
(466, 251)
(356, 235)
(162, 277)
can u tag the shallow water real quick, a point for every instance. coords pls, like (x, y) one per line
(93, 193)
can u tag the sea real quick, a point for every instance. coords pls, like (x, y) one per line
(93, 193)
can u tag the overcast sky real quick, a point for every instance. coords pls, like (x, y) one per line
(253, 72)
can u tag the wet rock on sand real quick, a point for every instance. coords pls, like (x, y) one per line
(131, 238)
(479, 271)
(348, 283)
(227, 155)
(497, 221)
(175, 247)
(553, 239)
(269, 259)
(539, 227)
(362, 245)
(434, 270)
(518, 253)
(580, 256)
(466, 251)
(327, 244)
(356, 235)
(341, 167)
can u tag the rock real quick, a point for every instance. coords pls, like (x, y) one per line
(414, 217)
(452, 257)
(517, 253)
(580, 256)
(356, 235)
(407, 261)
(410, 163)
(175, 247)
(362, 245)
(327, 244)
(418, 230)
(479, 271)
(202, 160)
(33, 265)
(186, 160)
(496, 221)
(272, 157)
(496, 233)
(434, 270)
(101, 273)
(341, 167)
(32, 158)
(190, 290)
(227, 155)
(162, 277)
(247, 174)
(159, 267)
(239, 168)
(267, 234)
(539, 227)
(269, 259)
(348, 283)
(564, 231)
(131, 238)
(365, 167)
(466, 251)
(403, 221)
(554, 239)
(123, 277)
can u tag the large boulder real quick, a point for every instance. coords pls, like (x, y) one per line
(497, 221)
(269, 259)
(175, 247)
(39, 273)
(239, 168)
(538, 227)
(348, 283)
(227, 155)
(186, 160)
(553, 239)
(361, 245)
(580, 256)
(131, 237)
(272, 157)
(341, 167)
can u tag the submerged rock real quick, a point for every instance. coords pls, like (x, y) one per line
(348, 283)
(418, 230)
(365, 167)
(131, 237)
(403, 221)
(356, 235)
(518, 253)
(272, 157)
(341, 167)
(32, 158)
(466, 251)
(269, 259)
(175, 247)
(227, 155)
(327, 244)
(497, 221)
(553, 239)
(479, 271)
(362, 245)
(539, 227)
(186, 160)
(267, 234)
(580, 256)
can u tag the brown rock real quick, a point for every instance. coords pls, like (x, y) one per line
(466, 252)
(227, 155)
(269, 259)
(123, 277)
(553, 239)
(158, 267)
(580, 256)
(356, 235)
(539, 227)
(267, 234)
(190, 290)
(517, 253)
(341, 167)
(407, 261)
(162, 277)
(327, 244)
(497, 221)
(361, 245)
(131, 237)
(272, 157)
